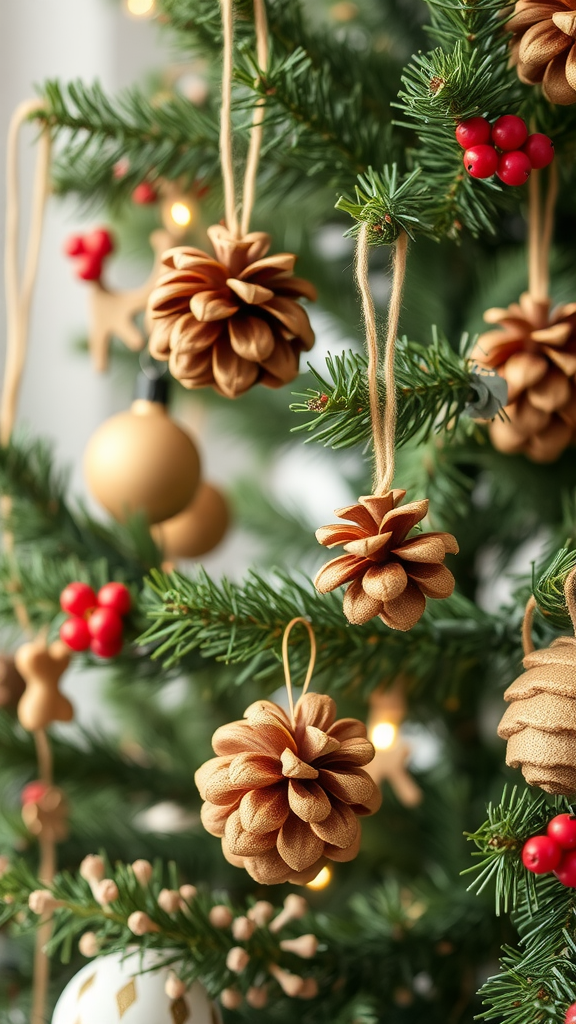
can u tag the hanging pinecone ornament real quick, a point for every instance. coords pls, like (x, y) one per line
(542, 47)
(540, 723)
(388, 573)
(533, 347)
(232, 320)
(284, 793)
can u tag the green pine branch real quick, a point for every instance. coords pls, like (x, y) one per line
(434, 384)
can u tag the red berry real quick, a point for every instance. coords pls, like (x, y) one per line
(481, 161)
(115, 596)
(99, 243)
(75, 633)
(89, 267)
(570, 1017)
(121, 167)
(541, 854)
(77, 599)
(144, 194)
(473, 132)
(74, 245)
(514, 168)
(105, 625)
(106, 649)
(33, 792)
(562, 829)
(566, 871)
(539, 149)
(509, 132)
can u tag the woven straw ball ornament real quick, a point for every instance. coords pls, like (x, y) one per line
(534, 350)
(230, 320)
(388, 573)
(284, 796)
(540, 723)
(113, 988)
(543, 47)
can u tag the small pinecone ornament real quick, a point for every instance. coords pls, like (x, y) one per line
(542, 47)
(47, 815)
(285, 798)
(534, 350)
(233, 320)
(389, 573)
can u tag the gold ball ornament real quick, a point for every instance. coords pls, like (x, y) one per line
(196, 530)
(140, 460)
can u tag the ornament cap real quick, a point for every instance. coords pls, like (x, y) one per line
(151, 388)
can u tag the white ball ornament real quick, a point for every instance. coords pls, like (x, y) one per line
(113, 990)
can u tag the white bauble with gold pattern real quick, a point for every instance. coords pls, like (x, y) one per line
(113, 990)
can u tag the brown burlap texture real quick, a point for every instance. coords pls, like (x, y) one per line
(388, 574)
(543, 47)
(286, 798)
(233, 320)
(534, 349)
(540, 724)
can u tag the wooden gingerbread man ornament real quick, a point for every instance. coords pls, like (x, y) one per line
(41, 667)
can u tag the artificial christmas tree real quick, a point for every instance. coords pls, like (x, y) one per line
(321, 101)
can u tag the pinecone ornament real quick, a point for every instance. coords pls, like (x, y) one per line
(534, 349)
(540, 724)
(48, 815)
(232, 320)
(543, 47)
(389, 573)
(284, 797)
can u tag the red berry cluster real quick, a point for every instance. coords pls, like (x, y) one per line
(95, 619)
(89, 251)
(504, 148)
(144, 194)
(570, 1017)
(556, 851)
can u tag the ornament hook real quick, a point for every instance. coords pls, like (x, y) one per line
(286, 660)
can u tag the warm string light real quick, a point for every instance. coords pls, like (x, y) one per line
(181, 213)
(323, 878)
(140, 8)
(383, 735)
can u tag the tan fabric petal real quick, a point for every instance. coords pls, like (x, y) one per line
(283, 362)
(190, 335)
(403, 612)
(266, 712)
(358, 606)
(315, 709)
(361, 516)
(353, 752)
(330, 536)
(383, 582)
(240, 738)
(267, 868)
(297, 844)
(293, 316)
(303, 877)
(247, 844)
(565, 360)
(403, 519)
(554, 84)
(527, 419)
(494, 347)
(555, 334)
(340, 828)
(521, 371)
(347, 729)
(214, 816)
(551, 442)
(253, 771)
(251, 337)
(160, 336)
(316, 743)
(371, 805)
(433, 580)
(340, 570)
(270, 266)
(209, 769)
(421, 549)
(192, 369)
(379, 505)
(375, 547)
(308, 800)
(348, 853)
(213, 305)
(294, 768)
(551, 393)
(529, 15)
(295, 287)
(354, 786)
(219, 789)
(541, 43)
(237, 862)
(252, 294)
(571, 63)
(504, 435)
(449, 541)
(264, 810)
(232, 374)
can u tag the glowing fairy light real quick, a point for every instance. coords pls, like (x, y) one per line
(383, 735)
(181, 214)
(322, 879)
(140, 8)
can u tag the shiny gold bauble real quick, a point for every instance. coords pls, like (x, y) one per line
(196, 530)
(140, 460)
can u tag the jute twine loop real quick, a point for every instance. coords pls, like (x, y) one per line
(286, 660)
(540, 230)
(383, 421)
(226, 149)
(570, 596)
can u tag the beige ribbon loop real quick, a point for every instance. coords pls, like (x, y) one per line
(286, 660)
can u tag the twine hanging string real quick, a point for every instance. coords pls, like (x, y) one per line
(286, 661)
(226, 140)
(540, 231)
(570, 597)
(19, 293)
(383, 422)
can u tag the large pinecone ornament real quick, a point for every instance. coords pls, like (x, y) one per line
(540, 724)
(542, 47)
(232, 320)
(285, 798)
(389, 573)
(534, 349)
